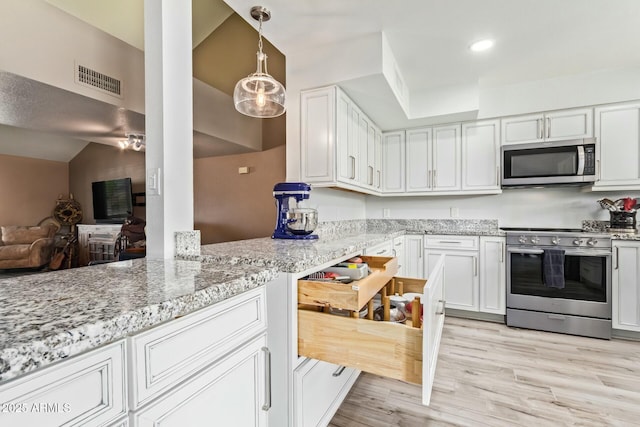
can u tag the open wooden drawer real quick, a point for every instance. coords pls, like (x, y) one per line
(352, 296)
(384, 348)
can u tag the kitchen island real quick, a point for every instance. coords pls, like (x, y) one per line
(53, 320)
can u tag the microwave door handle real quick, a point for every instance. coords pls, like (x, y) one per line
(580, 160)
(525, 251)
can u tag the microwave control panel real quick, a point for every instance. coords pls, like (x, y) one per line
(589, 159)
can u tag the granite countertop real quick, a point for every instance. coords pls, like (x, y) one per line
(51, 316)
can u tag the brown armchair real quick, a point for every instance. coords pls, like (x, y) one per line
(24, 247)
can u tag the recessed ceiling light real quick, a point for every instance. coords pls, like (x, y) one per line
(481, 45)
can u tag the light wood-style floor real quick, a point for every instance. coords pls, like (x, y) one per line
(491, 375)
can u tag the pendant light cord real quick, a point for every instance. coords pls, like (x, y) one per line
(262, 58)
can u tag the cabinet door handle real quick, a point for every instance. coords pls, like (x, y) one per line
(428, 178)
(267, 379)
(548, 127)
(540, 128)
(353, 167)
(441, 313)
(598, 170)
(502, 248)
(394, 252)
(435, 178)
(338, 372)
(370, 175)
(617, 254)
(475, 266)
(498, 175)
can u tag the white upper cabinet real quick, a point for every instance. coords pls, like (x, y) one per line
(446, 158)
(551, 126)
(481, 155)
(433, 159)
(618, 133)
(337, 142)
(318, 135)
(393, 162)
(418, 160)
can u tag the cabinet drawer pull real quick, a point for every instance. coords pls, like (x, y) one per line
(338, 371)
(381, 252)
(456, 242)
(267, 379)
(617, 254)
(540, 128)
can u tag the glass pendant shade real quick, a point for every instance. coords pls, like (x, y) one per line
(259, 94)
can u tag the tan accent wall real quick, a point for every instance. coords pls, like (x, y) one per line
(29, 188)
(99, 162)
(228, 55)
(230, 206)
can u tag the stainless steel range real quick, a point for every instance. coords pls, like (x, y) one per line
(559, 280)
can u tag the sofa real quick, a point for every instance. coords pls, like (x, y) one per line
(26, 247)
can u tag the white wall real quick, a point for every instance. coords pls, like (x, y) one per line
(337, 205)
(527, 207)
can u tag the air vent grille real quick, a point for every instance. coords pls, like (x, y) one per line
(93, 78)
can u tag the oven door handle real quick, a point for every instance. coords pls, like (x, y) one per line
(588, 253)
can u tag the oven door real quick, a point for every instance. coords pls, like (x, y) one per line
(532, 164)
(587, 290)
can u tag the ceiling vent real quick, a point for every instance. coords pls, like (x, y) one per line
(88, 77)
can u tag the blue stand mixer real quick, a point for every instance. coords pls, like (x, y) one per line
(294, 222)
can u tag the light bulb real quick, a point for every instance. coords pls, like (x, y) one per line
(261, 99)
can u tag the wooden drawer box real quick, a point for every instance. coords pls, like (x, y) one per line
(389, 349)
(352, 296)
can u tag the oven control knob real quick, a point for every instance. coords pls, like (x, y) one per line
(535, 240)
(592, 242)
(577, 242)
(555, 240)
(522, 239)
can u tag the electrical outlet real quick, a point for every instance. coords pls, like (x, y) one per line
(454, 212)
(386, 213)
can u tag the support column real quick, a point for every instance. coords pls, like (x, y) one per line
(168, 123)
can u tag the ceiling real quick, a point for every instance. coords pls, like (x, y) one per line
(534, 40)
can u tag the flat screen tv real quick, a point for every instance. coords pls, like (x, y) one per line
(112, 200)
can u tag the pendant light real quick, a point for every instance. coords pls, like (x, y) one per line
(259, 94)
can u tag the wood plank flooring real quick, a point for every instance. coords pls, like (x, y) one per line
(491, 375)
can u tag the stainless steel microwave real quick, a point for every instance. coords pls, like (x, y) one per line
(549, 163)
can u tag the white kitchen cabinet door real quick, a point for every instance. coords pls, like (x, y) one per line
(551, 126)
(461, 281)
(493, 290)
(232, 392)
(317, 135)
(521, 129)
(398, 251)
(568, 124)
(446, 158)
(345, 148)
(418, 160)
(481, 155)
(413, 265)
(371, 156)
(393, 161)
(363, 147)
(617, 130)
(355, 143)
(625, 285)
(378, 161)
(320, 387)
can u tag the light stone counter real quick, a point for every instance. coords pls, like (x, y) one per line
(50, 316)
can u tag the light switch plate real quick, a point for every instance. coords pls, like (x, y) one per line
(153, 182)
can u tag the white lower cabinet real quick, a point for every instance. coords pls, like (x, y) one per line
(231, 392)
(461, 269)
(88, 390)
(413, 264)
(383, 249)
(625, 286)
(493, 289)
(320, 387)
(398, 252)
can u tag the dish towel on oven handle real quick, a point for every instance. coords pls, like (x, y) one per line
(553, 268)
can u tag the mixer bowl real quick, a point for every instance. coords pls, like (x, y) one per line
(302, 221)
